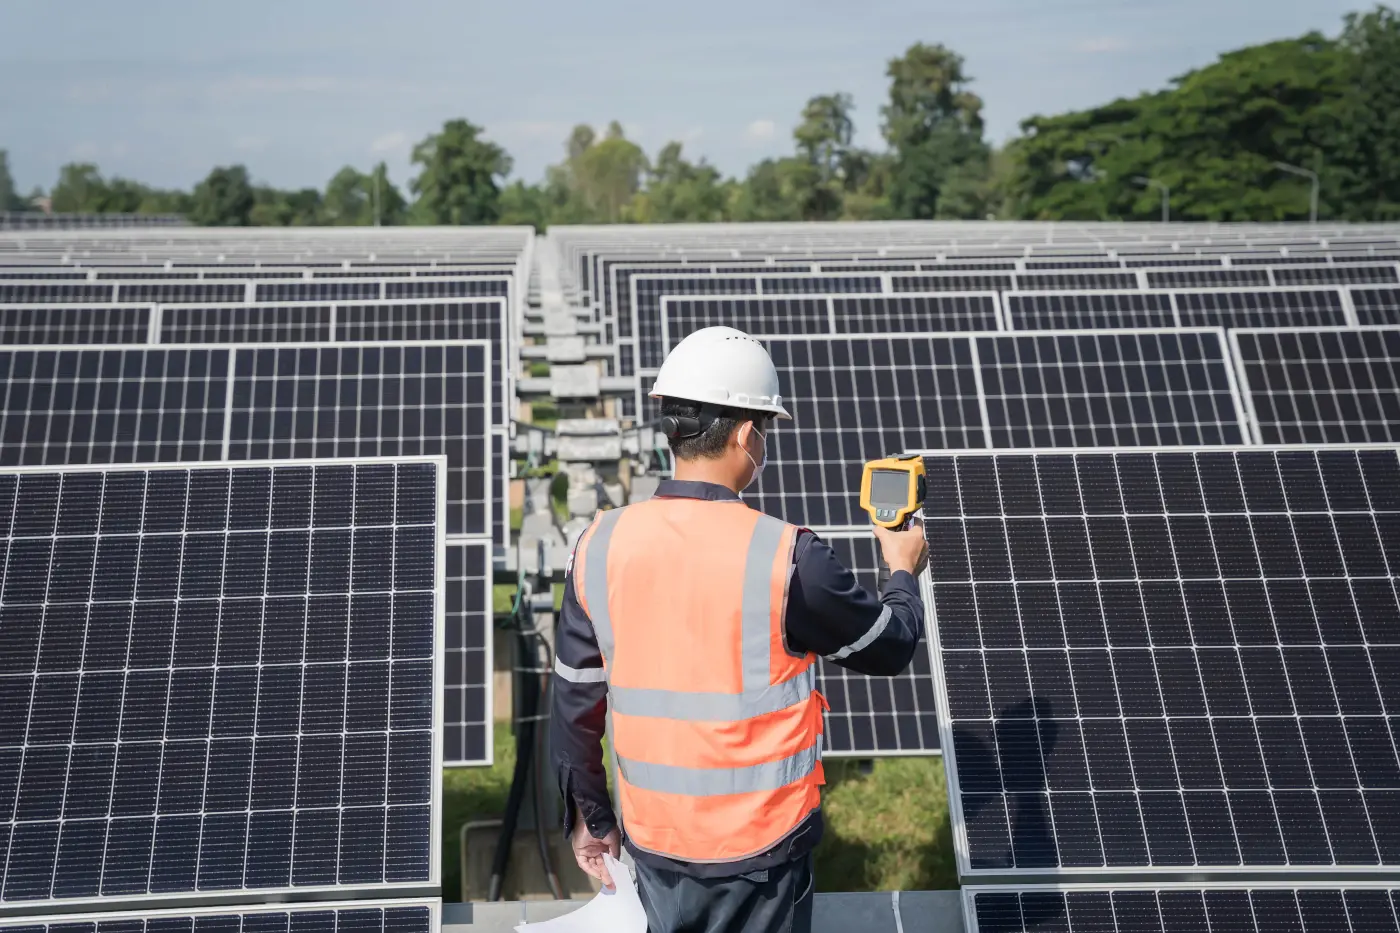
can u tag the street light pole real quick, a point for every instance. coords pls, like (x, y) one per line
(1305, 173)
(1166, 195)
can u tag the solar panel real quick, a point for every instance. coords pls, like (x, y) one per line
(337, 290)
(1109, 388)
(1075, 281)
(219, 678)
(914, 313)
(757, 317)
(1337, 275)
(1207, 278)
(87, 324)
(1321, 385)
(1300, 907)
(466, 716)
(1058, 310)
(1376, 306)
(826, 314)
(870, 716)
(954, 282)
(646, 294)
(361, 400)
(370, 915)
(1174, 659)
(1272, 308)
(41, 292)
(246, 323)
(111, 405)
(165, 404)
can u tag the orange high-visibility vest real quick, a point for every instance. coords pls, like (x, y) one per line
(715, 724)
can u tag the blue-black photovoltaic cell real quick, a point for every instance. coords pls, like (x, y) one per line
(68, 324)
(365, 400)
(1297, 907)
(216, 678)
(1177, 660)
(466, 719)
(368, 916)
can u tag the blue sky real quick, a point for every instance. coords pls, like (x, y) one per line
(163, 90)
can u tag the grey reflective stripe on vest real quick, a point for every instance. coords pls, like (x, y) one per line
(758, 587)
(713, 707)
(580, 675)
(716, 782)
(595, 580)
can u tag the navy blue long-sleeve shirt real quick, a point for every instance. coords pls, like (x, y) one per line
(828, 613)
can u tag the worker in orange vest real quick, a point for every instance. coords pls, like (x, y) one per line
(691, 625)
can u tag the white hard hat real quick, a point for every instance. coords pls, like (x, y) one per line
(721, 366)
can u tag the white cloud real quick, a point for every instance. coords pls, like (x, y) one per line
(389, 142)
(528, 130)
(760, 131)
(1100, 45)
(250, 143)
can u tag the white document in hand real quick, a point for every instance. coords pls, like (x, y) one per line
(616, 911)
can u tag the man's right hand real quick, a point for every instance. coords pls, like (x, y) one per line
(588, 851)
(904, 550)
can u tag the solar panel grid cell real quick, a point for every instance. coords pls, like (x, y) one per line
(365, 916)
(1206, 278)
(1337, 275)
(875, 715)
(1245, 908)
(1109, 389)
(246, 324)
(467, 682)
(66, 324)
(218, 678)
(891, 314)
(1170, 660)
(1376, 306)
(1274, 308)
(1048, 311)
(1324, 385)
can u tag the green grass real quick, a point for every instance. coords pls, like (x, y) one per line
(472, 794)
(539, 369)
(886, 831)
(502, 598)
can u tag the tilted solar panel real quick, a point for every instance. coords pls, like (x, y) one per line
(1299, 907)
(1170, 659)
(1063, 310)
(1337, 275)
(40, 292)
(369, 915)
(1109, 388)
(246, 323)
(1271, 308)
(74, 324)
(1204, 278)
(875, 715)
(180, 403)
(466, 715)
(757, 317)
(362, 400)
(1321, 385)
(914, 313)
(219, 679)
(1376, 306)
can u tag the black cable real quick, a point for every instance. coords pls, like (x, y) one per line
(556, 888)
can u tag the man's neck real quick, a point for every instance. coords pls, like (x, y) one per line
(705, 471)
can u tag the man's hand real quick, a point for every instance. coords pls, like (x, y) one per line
(588, 851)
(904, 550)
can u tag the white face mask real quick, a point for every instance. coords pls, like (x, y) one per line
(762, 461)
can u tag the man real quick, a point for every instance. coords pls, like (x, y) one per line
(691, 624)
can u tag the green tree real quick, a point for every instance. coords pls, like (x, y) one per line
(1212, 138)
(1364, 175)
(460, 178)
(608, 173)
(10, 199)
(80, 190)
(353, 198)
(224, 198)
(933, 124)
(824, 135)
(771, 191)
(273, 207)
(678, 191)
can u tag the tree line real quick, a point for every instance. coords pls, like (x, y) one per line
(1213, 137)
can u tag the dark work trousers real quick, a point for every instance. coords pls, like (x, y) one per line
(778, 900)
